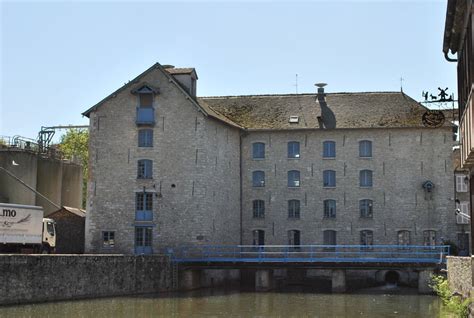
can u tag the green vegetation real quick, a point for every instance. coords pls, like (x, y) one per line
(75, 146)
(453, 303)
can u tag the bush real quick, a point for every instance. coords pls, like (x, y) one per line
(453, 303)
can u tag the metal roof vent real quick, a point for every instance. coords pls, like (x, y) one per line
(320, 87)
(294, 119)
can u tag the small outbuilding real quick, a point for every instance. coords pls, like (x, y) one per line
(70, 229)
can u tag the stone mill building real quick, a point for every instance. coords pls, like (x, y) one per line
(169, 168)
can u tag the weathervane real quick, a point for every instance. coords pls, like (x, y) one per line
(443, 96)
(435, 117)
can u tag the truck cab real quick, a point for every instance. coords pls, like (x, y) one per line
(49, 236)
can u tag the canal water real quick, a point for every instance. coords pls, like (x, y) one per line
(220, 303)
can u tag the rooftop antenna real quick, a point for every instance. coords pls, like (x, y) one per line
(296, 84)
(401, 84)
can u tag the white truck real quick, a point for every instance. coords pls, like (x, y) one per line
(24, 230)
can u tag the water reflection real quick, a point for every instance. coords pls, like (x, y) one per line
(221, 303)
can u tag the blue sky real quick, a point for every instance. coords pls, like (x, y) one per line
(60, 58)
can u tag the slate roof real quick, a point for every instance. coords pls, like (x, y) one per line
(337, 110)
(79, 212)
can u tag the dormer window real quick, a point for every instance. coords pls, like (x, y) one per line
(145, 110)
(145, 96)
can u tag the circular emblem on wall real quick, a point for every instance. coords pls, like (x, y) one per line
(433, 118)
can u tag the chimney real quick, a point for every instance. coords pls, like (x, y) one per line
(320, 90)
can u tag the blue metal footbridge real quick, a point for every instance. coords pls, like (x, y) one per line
(324, 256)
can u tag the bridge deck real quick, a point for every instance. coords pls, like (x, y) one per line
(374, 256)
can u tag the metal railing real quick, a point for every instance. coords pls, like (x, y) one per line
(310, 253)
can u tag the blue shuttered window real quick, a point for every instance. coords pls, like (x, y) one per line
(145, 169)
(144, 206)
(145, 138)
(329, 149)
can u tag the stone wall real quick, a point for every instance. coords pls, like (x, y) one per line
(195, 174)
(460, 275)
(27, 279)
(402, 160)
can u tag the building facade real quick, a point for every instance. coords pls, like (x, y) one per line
(168, 168)
(459, 40)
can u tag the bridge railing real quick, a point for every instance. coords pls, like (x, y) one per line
(310, 253)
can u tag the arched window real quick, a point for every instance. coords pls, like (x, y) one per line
(293, 178)
(258, 150)
(145, 169)
(366, 208)
(329, 237)
(365, 178)
(329, 149)
(258, 237)
(294, 238)
(403, 238)
(293, 149)
(329, 178)
(258, 179)
(365, 148)
(329, 208)
(258, 209)
(294, 209)
(429, 238)
(367, 238)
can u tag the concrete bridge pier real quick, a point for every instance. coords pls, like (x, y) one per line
(338, 281)
(190, 279)
(424, 279)
(263, 280)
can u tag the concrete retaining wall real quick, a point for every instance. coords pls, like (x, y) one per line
(460, 275)
(27, 279)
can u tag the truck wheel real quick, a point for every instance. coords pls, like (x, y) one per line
(45, 250)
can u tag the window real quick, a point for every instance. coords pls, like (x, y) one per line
(329, 237)
(329, 208)
(258, 150)
(294, 237)
(258, 209)
(258, 237)
(145, 138)
(429, 238)
(403, 238)
(366, 208)
(145, 169)
(108, 239)
(329, 178)
(50, 228)
(365, 178)
(143, 239)
(365, 149)
(144, 206)
(293, 149)
(293, 178)
(462, 217)
(461, 183)
(258, 179)
(293, 209)
(329, 149)
(367, 238)
(145, 96)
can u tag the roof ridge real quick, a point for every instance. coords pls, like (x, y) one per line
(300, 94)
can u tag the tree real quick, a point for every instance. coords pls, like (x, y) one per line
(74, 145)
